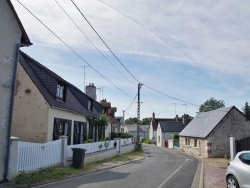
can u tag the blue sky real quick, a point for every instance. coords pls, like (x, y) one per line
(189, 50)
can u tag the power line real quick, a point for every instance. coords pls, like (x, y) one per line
(71, 48)
(147, 101)
(171, 96)
(104, 42)
(91, 41)
(129, 106)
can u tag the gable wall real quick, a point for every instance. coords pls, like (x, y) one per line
(10, 35)
(30, 117)
(234, 124)
(217, 144)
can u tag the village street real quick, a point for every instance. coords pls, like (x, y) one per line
(161, 168)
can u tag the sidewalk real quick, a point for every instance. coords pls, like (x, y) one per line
(214, 172)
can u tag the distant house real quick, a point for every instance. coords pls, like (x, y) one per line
(47, 106)
(208, 133)
(132, 129)
(12, 37)
(110, 112)
(166, 129)
(144, 131)
(155, 123)
(122, 124)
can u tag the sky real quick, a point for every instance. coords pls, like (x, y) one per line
(183, 52)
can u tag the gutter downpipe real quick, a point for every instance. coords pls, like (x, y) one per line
(11, 113)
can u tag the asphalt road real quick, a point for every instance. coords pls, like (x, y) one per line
(163, 168)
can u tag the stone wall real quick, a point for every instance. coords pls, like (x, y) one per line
(217, 144)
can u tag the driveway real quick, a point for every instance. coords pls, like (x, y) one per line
(163, 168)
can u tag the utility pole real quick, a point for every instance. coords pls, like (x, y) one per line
(138, 115)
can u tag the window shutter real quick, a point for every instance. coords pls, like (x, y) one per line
(56, 129)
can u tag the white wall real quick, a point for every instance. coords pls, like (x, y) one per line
(58, 113)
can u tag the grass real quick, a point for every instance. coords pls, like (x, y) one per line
(57, 173)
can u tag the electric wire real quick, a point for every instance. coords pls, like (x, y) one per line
(91, 41)
(171, 96)
(129, 106)
(72, 49)
(104, 42)
(147, 101)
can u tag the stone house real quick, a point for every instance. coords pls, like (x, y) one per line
(208, 134)
(12, 37)
(166, 129)
(47, 106)
(132, 130)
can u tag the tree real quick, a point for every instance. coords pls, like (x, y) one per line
(246, 111)
(131, 121)
(145, 121)
(211, 104)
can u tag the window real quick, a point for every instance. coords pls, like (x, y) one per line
(62, 127)
(90, 105)
(195, 143)
(60, 91)
(187, 141)
(245, 158)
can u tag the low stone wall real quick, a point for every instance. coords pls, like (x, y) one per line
(105, 154)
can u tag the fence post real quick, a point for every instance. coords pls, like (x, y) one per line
(232, 147)
(14, 157)
(119, 146)
(64, 149)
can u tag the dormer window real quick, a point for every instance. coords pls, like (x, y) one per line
(60, 92)
(90, 105)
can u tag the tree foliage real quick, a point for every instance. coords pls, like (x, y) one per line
(102, 120)
(132, 121)
(246, 111)
(211, 104)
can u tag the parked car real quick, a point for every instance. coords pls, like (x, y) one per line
(238, 171)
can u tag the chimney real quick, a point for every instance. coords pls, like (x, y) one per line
(91, 91)
(177, 118)
(153, 117)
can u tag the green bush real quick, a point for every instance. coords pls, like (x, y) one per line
(89, 141)
(176, 136)
(120, 135)
(147, 141)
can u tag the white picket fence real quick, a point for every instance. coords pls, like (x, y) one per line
(26, 156)
(33, 156)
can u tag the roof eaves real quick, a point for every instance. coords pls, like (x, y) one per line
(25, 41)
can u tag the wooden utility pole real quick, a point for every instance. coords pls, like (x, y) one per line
(138, 115)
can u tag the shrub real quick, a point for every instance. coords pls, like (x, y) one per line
(147, 141)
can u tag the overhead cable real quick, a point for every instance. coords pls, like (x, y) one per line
(104, 42)
(91, 41)
(72, 49)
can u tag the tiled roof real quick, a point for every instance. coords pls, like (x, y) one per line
(133, 128)
(171, 126)
(204, 122)
(144, 128)
(46, 81)
(157, 120)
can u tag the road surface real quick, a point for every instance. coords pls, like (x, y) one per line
(163, 168)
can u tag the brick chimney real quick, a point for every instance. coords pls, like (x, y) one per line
(91, 91)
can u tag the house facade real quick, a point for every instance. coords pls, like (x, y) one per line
(47, 106)
(166, 129)
(155, 123)
(12, 37)
(208, 134)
